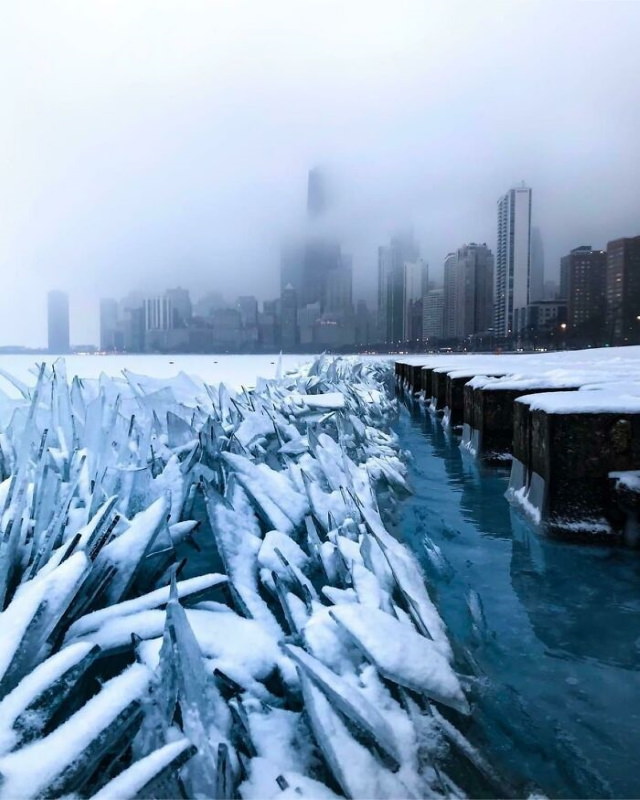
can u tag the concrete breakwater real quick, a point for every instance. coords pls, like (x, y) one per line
(567, 422)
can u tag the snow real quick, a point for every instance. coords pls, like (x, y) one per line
(34, 768)
(594, 402)
(92, 622)
(132, 780)
(629, 479)
(110, 475)
(402, 654)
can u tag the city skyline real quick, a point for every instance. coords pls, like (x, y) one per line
(315, 307)
(189, 155)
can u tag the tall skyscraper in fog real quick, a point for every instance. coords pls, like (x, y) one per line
(310, 262)
(58, 322)
(391, 285)
(513, 261)
(317, 200)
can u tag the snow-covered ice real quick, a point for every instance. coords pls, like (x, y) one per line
(199, 594)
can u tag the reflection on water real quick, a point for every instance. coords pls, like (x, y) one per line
(553, 627)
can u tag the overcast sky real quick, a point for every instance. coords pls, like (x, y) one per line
(148, 143)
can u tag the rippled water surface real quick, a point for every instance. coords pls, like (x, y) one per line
(554, 628)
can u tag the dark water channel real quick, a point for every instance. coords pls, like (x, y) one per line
(557, 641)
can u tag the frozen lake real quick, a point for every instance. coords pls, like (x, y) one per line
(237, 370)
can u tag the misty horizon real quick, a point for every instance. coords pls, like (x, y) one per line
(166, 144)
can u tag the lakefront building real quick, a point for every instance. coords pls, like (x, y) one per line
(513, 262)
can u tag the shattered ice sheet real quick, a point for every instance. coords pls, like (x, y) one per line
(198, 591)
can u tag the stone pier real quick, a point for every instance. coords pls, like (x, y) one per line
(565, 447)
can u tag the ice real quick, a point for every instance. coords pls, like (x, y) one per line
(93, 621)
(348, 700)
(75, 747)
(265, 688)
(353, 766)
(22, 711)
(402, 655)
(136, 779)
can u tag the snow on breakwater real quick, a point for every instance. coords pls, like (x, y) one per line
(566, 421)
(306, 657)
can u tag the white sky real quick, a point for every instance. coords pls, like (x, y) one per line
(147, 143)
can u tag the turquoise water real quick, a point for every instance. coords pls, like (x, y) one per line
(557, 647)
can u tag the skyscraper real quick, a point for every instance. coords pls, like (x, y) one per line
(583, 275)
(416, 283)
(317, 200)
(623, 290)
(391, 285)
(58, 322)
(305, 263)
(474, 289)
(432, 315)
(513, 261)
(289, 318)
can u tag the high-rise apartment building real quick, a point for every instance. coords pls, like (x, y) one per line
(433, 315)
(58, 322)
(474, 288)
(513, 262)
(623, 290)
(468, 291)
(583, 281)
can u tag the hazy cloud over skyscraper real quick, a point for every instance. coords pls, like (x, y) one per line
(150, 142)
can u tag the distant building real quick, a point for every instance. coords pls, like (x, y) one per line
(450, 296)
(474, 290)
(365, 332)
(416, 281)
(209, 304)
(109, 325)
(338, 289)
(227, 329)
(317, 194)
(307, 317)
(536, 279)
(181, 307)
(247, 305)
(623, 290)
(583, 278)
(289, 319)
(551, 290)
(58, 322)
(158, 313)
(268, 325)
(391, 286)
(545, 317)
(513, 261)
(433, 315)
